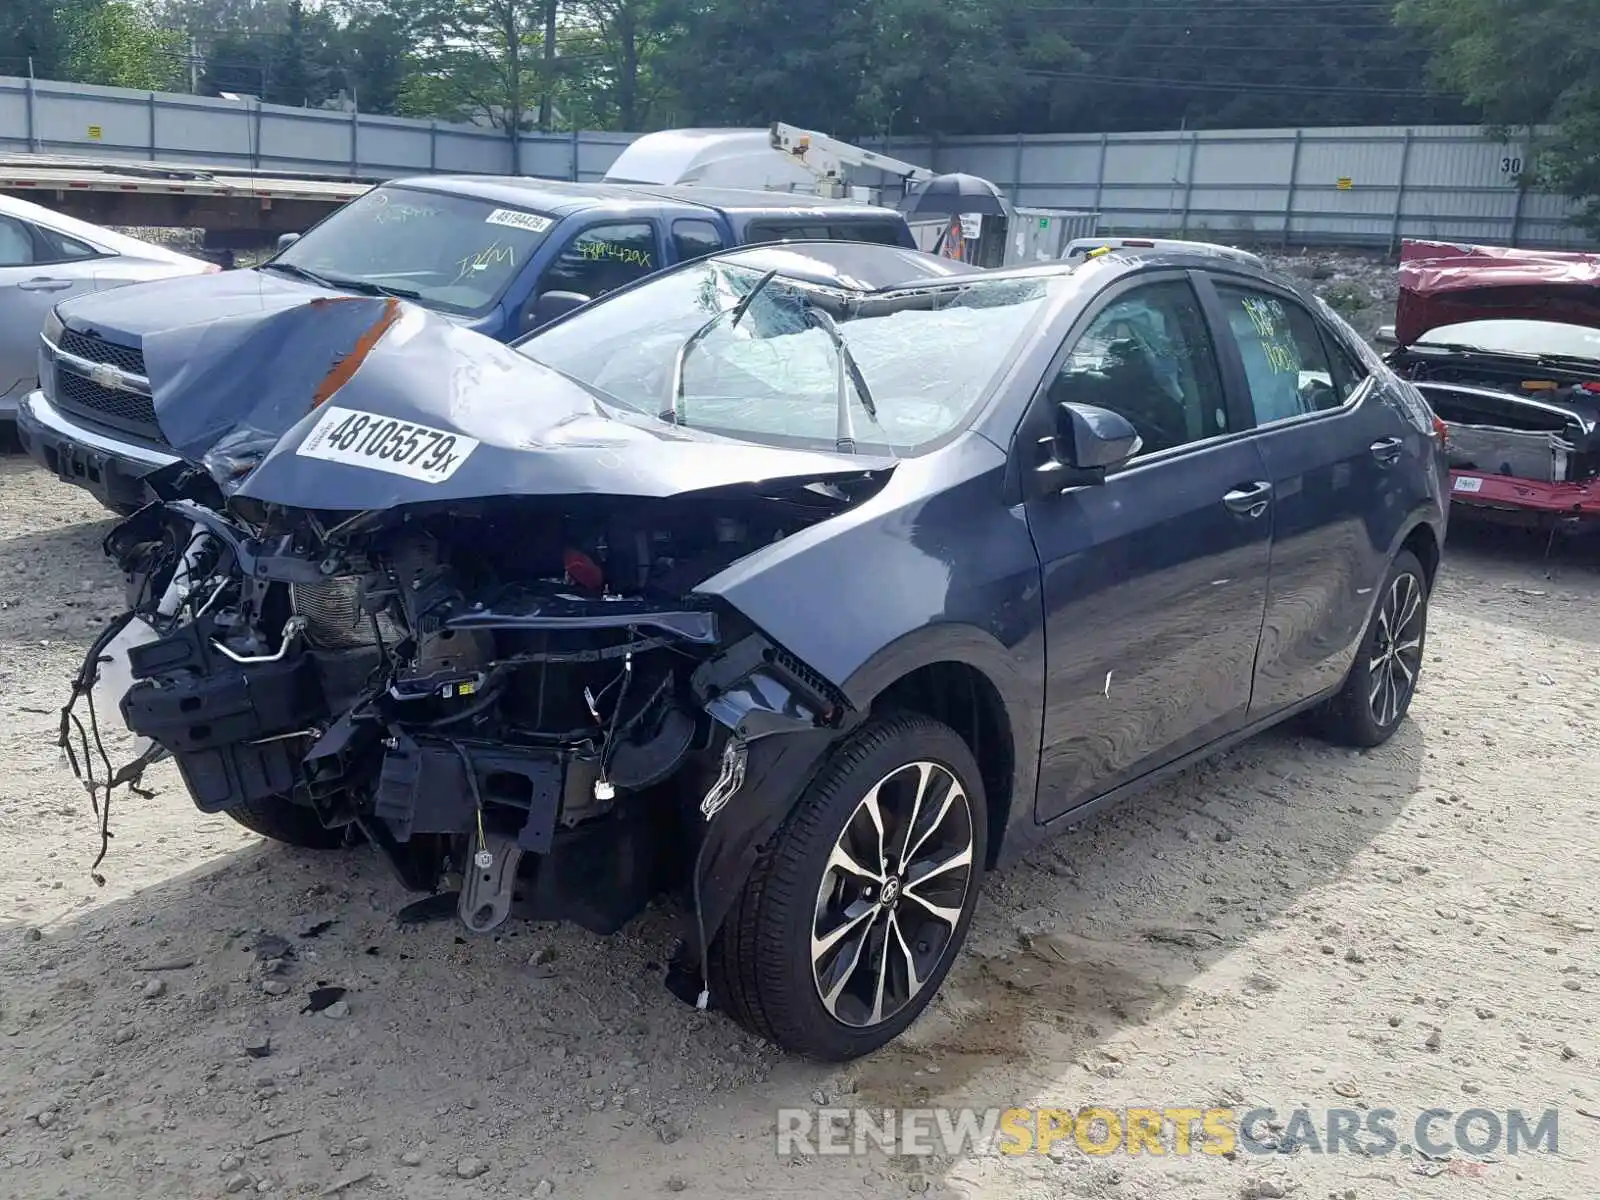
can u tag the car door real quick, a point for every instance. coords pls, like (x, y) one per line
(1155, 580)
(1335, 454)
(38, 269)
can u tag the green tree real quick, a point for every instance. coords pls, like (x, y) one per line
(295, 76)
(477, 59)
(371, 49)
(611, 52)
(119, 45)
(236, 63)
(1527, 64)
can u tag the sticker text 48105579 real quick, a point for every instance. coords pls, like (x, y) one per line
(379, 443)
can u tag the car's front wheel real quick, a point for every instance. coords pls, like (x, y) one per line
(858, 906)
(1383, 680)
(282, 820)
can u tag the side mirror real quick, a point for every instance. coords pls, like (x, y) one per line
(1088, 442)
(285, 240)
(549, 306)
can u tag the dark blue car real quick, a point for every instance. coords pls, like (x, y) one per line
(807, 583)
(500, 256)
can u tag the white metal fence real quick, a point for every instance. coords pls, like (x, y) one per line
(1351, 186)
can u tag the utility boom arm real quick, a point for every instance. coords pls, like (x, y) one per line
(826, 158)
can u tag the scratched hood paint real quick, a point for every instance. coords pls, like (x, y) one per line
(248, 396)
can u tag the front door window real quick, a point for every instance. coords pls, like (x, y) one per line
(1148, 358)
(603, 258)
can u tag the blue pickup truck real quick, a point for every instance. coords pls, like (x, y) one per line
(500, 255)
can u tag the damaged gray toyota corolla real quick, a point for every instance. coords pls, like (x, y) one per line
(738, 585)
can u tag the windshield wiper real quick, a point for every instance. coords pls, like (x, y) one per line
(335, 283)
(367, 287)
(673, 413)
(849, 373)
(298, 271)
(1577, 362)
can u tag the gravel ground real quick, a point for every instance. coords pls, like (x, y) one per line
(1290, 925)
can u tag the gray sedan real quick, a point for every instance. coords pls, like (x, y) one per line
(46, 257)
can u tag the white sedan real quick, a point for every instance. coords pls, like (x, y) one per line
(46, 257)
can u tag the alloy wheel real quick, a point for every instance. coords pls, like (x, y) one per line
(892, 894)
(1397, 649)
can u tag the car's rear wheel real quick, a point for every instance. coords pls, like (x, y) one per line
(281, 820)
(1378, 693)
(858, 906)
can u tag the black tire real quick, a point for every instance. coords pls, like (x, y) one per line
(1382, 681)
(282, 820)
(761, 962)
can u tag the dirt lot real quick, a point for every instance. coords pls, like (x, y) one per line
(1290, 926)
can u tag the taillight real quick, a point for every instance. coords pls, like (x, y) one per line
(1592, 387)
(1441, 431)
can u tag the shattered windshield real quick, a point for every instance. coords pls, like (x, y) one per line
(1519, 337)
(926, 357)
(448, 252)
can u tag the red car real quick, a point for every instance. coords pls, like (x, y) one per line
(1504, 344)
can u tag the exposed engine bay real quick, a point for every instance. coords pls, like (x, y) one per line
(518, 701)
(1504, 422)
(1502, 343)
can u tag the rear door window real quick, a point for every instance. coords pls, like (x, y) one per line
(602, 258)
(1286, 363)
(784, 231)
(16, 244)
(883, 233)
(695, 239)
(59, 248)
(880, 233)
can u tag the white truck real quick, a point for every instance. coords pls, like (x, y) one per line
(783, 158)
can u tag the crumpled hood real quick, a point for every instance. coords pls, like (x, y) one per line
(359, 404)
(129, 314)
(1443, 283)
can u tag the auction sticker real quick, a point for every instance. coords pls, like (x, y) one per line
(379, 443)
(1468, 483)
(517, 219)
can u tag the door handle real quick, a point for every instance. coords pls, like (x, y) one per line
(1387, 451)
(44, 285)
(1249, 501)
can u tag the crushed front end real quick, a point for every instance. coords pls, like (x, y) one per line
(521, 702)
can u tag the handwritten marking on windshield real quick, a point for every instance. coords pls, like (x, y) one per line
(597, 251)
(494, 254)
(389, 212)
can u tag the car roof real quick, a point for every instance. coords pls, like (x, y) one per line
(99, 236)
(562, 198)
